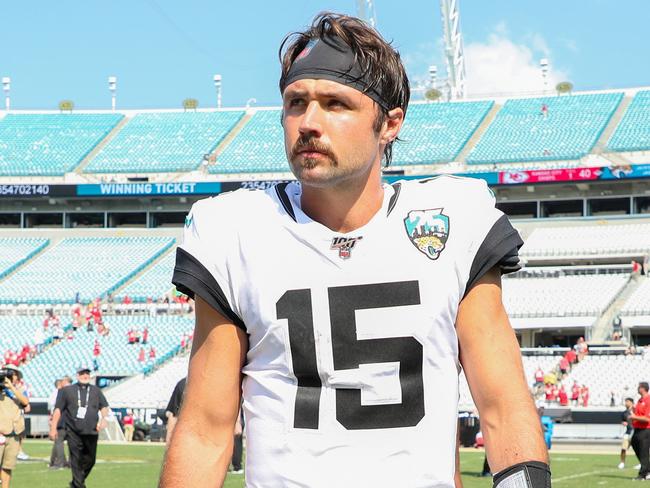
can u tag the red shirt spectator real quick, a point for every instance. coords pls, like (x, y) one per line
(152, 353)
(548, 393)
(131, 336)
(564, 398)
(127, 300)
(584, 395)
(127, 419)
(97, 349)
(564, 365)
(539, 375)
(141, 355)
(145, 335)
(642, 408)
(575, 391)
(571, 356)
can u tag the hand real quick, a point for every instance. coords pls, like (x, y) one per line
(101, 425)
(53, 434)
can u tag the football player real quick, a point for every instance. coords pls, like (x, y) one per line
(348, 305)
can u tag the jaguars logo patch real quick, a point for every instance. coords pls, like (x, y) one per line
(428, 230)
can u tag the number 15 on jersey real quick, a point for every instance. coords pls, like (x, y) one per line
(350, 353)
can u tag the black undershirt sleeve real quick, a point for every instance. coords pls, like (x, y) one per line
(499, 248)
(192, 278)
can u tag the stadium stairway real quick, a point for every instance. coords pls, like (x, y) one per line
(91, 155)
(601, 144)
(602, 329)
(50, 245)
(214, 155)
(138, 275)
(478, 133)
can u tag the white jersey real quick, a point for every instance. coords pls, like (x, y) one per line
(351, 377)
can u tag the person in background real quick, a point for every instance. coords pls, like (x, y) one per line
(640, 418)
(629, 430)
(128, 425)
(84, 410)
(58, 458)
(12, 424)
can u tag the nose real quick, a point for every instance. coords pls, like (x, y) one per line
(311, 122)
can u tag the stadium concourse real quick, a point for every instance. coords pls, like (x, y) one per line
(92, 206)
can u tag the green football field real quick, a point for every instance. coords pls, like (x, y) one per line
(138, 466)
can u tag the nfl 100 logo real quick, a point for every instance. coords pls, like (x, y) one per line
(344, 245)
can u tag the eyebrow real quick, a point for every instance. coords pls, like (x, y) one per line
(294, 93)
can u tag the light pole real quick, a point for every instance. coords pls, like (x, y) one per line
(217, 85)
(112, 86)
(6, 86)
(433, 73)
(543, 65)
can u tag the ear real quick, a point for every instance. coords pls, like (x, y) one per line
(392, 125)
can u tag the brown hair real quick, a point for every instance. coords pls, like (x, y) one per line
(372, 53)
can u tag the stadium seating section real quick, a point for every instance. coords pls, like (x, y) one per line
(633, 132)
(164, 142)
(153, 283)
(639, 302)
(152, 391)
(587, 240)
(563, 295)
(604, 374)
(116, 358)
(49, 144)
(436, 132)
(90, 266)
(520, 132)
(15, 251)
(257, 148)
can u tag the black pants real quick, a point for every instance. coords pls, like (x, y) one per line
(641, 446)
(237, 453)
(83, 452)
(57, 458)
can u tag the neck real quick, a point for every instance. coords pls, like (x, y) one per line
(348, 205)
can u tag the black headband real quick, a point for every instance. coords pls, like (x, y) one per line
(332, 59)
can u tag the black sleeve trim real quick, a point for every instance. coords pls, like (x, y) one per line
(192, 278)
(499, 248)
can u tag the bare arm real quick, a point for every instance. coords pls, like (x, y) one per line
(54, 422)
(201, 446)
(491, 359)
(171, 424)
(458, 480)
(22, 399)
(102, 420)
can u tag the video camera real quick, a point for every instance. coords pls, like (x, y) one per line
(6, 373)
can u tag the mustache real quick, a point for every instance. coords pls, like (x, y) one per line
(311, 144)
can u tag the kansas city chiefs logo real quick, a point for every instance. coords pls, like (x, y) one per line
(344, 245)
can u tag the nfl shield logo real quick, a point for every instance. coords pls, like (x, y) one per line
(428, 230)
(344, 245)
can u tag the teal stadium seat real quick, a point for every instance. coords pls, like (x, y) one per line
(153, 283)
(14, 251)
(92, 266)
(633, 132)
(49, 144)
(258, 148)
(437, 132)
(520, 132)
(164, 142)
(116, 358)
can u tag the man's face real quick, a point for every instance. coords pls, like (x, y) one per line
(83, 377)
(628, 404)
(328, 132)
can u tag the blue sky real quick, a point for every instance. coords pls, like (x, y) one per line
(163, 51)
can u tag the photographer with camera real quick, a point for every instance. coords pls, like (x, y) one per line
(12, 422)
